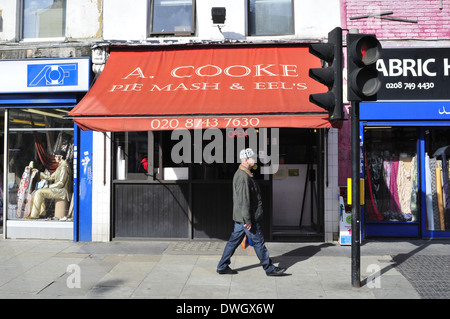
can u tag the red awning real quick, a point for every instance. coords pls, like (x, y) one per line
(192, 87)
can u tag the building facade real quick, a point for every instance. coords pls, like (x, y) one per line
(404, 134)
(111, 197)
(46, 62)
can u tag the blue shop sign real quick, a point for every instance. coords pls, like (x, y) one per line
(427, 110)
(45, 75)
(61, 74)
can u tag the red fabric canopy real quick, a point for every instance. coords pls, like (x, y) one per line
(166, 88)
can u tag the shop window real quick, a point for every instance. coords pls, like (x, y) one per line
(43, 19)
(391, 174)
(142, 155)
(132, 155)
(270, 17)
(437, 177)
(216, 163)
(298, 146)
(172, 17)
(148, 156)
(214, 154)
(181, 155)
(39, 183)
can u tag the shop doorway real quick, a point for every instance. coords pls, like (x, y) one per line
(297, 201)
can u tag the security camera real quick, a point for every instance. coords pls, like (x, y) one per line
(218, 15)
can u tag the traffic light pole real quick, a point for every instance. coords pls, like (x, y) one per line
(363, 83)
(356, 206)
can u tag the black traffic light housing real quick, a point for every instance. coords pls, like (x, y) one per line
(331, 76)
(363, 51)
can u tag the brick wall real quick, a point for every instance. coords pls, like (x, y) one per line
(432, 17)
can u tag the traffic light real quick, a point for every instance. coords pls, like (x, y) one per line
(331, 76)
(363, 51)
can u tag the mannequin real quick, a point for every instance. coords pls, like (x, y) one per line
(58, 190)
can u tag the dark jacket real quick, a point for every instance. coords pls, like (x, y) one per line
(247, 202)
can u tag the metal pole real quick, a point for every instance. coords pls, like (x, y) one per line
(5, 172)
(356, 207)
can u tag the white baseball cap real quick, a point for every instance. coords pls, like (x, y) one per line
(247, 153)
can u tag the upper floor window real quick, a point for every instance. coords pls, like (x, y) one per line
(43, 18)
(270, 17)
(174, 17)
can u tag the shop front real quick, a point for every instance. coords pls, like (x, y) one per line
(407, 147)
(193, 199)
(179, 116)
(38, 145)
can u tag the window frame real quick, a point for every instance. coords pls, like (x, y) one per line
(170, 33)
(127, 140)
(274, 34)
(40, 39)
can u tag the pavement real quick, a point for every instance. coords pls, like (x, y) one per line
(53, 269)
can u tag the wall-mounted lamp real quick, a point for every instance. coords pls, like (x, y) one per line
(218, 15)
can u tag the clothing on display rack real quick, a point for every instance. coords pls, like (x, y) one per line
(371, 206)
(435, 204)
(414, 191)
(407, 186)
(23, 193)
(63, 142)
(428, 194)
(439, 194)
(438, 190)
(392, 187)
(394, 203)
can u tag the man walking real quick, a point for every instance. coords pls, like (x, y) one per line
(247, 212)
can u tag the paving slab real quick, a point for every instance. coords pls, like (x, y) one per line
(186, 270)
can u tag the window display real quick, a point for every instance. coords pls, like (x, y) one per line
(59, 189)
(391, 174)
(40, 154)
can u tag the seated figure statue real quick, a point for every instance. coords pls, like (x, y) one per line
(59, 188)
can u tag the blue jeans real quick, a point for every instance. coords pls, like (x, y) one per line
(257, 238)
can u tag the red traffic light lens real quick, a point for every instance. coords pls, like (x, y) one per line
(366, 50)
